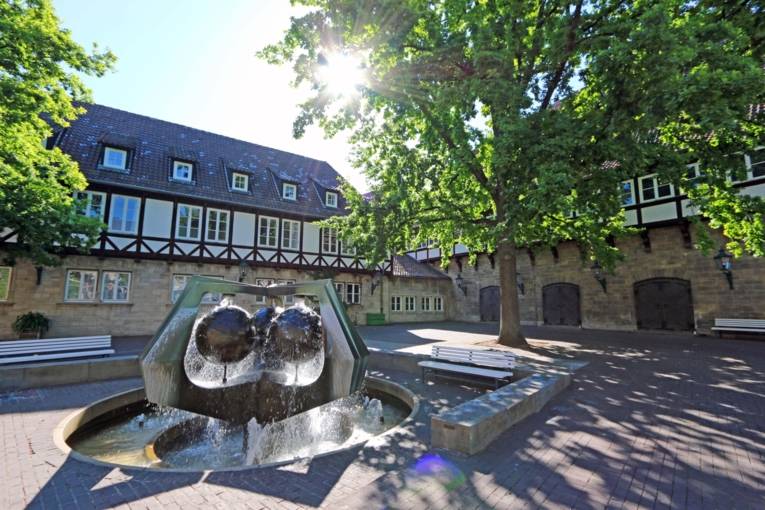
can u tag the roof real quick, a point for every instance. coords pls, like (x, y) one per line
(406, 266)
(154, 143)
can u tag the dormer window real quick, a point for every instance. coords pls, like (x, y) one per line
(115, 158)
(289, 191)
(239, 182)
(331, 199)
(182, 171)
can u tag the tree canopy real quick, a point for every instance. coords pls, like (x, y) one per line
(39, 87)
(491, 122)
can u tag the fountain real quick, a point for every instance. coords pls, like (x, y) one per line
(225, 388)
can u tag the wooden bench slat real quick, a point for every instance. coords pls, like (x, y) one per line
(462, 369)
(36, 341)
(746, 325)
(60, 355)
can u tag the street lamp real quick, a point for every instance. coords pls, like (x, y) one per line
(519, 282)
(723, 260)
(243, 267)
(597, 272)
(461, 283)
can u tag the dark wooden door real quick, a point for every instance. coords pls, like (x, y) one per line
(490, 303)
(560, 304)
(664, 303)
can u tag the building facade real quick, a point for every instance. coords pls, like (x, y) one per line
(663, 283)
(179, 202)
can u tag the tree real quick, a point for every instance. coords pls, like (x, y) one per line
(490, 122)
(38, 89)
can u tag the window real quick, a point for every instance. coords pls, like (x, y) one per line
(438, 304)
(181, 280)
(189, 221)
(628, 194)
(124, 214)
(115, 158)
(268, 232)
(263, 282)
(115, 286)
(80, 285)
(5, 282)
(346, 248)
(239, 182)
(353, 293)
(331, 199)
(182, 171)
(395, 303)
(651, 189)
(409, 304)
(217, 225)
(289, 191)
(290, 299)
(340, 289)
(755, 164)
(425, 304)
(329, 240)
(693, 174)
(290, 234)
(90, 203)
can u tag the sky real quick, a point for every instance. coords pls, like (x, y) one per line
(193, 62)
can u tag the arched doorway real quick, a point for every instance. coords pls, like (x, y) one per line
(489, 303)
(560, 304)
(664, 303)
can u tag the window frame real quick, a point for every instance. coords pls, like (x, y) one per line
(125, 209)
(425, 304)
(331, 194)
(103, 285)
(344, 251)
(326, 233)
(289, 299)
(246, 178)
(413, 301)
(286, 239)
(188, 227)
(749, 165)
(218, 230)
(438, 304)
(351, 297)
(89, 203)
(263, 282)
(179, 162)
(79, 299)
(7, 291)
(275, 244)
(208, 298)
(655, 188)
(113, 149)
(633, 198)
(285, 187)
(395, 304)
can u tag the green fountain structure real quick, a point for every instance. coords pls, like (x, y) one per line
(271, 365)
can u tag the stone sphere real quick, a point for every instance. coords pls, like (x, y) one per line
(225, 335)
(261, 321)
(294, 336)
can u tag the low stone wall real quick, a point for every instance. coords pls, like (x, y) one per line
(36, 375)
(472, 426)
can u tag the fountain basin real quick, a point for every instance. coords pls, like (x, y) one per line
(125, 430)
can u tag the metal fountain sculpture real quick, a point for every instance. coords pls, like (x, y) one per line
(231, 365)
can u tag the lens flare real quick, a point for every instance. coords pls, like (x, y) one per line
(432, 466)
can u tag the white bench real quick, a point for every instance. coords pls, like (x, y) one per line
(741, 325)
(500, 363)
(19, 351)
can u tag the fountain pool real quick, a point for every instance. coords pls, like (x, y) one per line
(127, 430)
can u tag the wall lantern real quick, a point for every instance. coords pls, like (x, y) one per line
(243, 268)
(723, 260)
(39, 270)
(597, 272)
(460, 281)
(376, 281)
(519, 282)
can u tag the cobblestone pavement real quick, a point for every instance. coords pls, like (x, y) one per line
(654, 421)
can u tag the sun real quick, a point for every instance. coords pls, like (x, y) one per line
(342, 74)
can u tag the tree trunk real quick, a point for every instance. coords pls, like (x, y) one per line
(509, 312)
